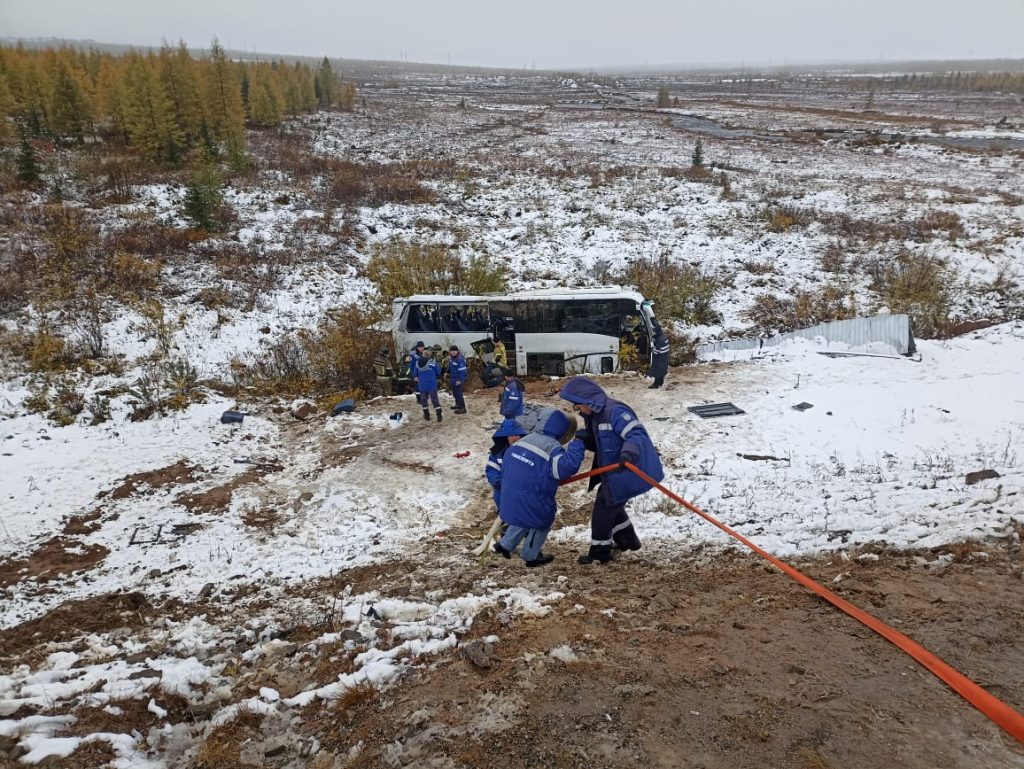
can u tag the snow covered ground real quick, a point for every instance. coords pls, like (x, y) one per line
(231, 524)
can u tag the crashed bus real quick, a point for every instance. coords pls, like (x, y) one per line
(555, 332)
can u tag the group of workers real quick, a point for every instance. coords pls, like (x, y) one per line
(530, 458)
(535, 449)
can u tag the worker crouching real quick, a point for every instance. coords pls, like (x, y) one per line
(531, 471)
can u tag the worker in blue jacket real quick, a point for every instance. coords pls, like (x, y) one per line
(458, 373)
(512, 396)
(531, 471)
(616, 436)
(415, 354)
(428, 374)
(506, 435)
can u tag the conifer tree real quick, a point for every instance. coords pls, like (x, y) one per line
(266, 105)
(663, 97)
(326, 85)
(6, 106)
(28, 166)
(150, 115)
(110, 96)
(227, 116)
(697, 160)
(179, 78)
(68, 110)
(204, 194)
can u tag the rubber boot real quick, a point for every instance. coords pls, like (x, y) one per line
(440, 413)
(502, 551)
(426, 414)
(597, 554)
(540, 560)
(460, 411)
(626, 539)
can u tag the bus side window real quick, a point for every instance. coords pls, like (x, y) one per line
(422, 317)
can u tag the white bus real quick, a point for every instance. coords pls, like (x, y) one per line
(555, 332)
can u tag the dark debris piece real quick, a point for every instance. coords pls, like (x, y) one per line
(711, 410)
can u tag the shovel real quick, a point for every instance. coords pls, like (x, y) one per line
(485, 546)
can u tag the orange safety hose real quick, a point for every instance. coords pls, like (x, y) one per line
(997, 710)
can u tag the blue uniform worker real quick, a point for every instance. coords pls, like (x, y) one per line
(531, 471)
(506, 435)
(615, 435)
(415, 354)
(512, 396)
(428, 373)
(458, 373)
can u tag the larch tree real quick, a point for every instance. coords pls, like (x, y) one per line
(326, 84)
(150, 114)
(181, 83)
(227, 114)
(69, 113)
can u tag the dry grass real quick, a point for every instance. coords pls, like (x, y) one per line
(222, 747)
(328, 360)
(770, 314)
(918, 284)
(93, 754)
(400, 268)
(678, 290)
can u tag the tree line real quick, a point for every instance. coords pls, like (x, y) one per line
(163, 103)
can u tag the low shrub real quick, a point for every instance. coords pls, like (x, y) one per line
(48, 351)
(679, 291)
(920, 285)
(400, 268)
(333, 358)
(938, 224)
(781, 218)
(375, 184)
(770, 314)
(67, 403)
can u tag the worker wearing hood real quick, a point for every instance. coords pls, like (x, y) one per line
(615, 435)
(531, 472)
(506, 435)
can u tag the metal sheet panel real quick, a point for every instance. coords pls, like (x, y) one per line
(878, 332)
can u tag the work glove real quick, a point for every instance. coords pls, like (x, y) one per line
(624, 457)
(581, 435)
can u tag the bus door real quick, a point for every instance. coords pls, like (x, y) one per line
(503, 329)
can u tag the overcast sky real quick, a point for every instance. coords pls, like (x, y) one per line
(547, 33)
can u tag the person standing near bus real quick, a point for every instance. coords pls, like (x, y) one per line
(616, 436)
(415, 354)
(458, 372)
(428, 373)
(659, 357)
(500, 355)
(512, 396)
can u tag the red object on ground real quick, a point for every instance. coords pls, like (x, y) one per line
(462, 454)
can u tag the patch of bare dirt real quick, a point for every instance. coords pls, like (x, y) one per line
(725, 665)
(217, 499)
(80, 525)
(56, 557)
(179, 473)
(263, 518)
(27, 642)
(416, 467)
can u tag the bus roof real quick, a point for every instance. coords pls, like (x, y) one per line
(602, 292)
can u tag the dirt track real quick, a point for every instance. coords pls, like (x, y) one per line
(726, 664)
